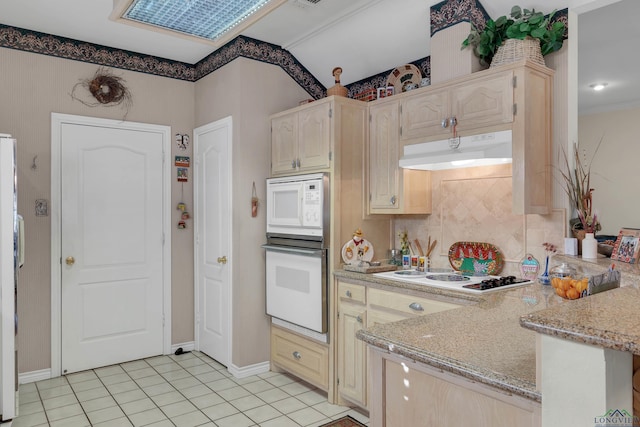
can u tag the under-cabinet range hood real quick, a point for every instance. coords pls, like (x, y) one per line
(460, 152)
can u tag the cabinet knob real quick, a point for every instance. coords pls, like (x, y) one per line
(298, 162)
(359, 319)
(293, 164)
(349, 294)
(445, 123)
(416, 306)
(297, 355)
(393, 200)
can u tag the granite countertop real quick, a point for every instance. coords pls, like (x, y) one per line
(482, 342)
(609, 319)
(492, 339)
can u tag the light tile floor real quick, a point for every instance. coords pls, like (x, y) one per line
(183, 391)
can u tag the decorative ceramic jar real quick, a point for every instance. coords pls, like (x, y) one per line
(589, 247)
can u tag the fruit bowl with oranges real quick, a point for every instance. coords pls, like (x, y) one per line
(570, 283)
(567, 282)
(569, 287)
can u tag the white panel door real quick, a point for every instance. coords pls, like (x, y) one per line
(111, 245)
(212, 144)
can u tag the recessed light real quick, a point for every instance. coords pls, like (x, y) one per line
(598, 86)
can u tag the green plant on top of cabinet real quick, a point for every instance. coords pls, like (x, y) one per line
(301, 139)
(392, 190)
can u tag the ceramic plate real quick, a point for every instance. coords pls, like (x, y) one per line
(401, 76)
(476, 258)
(353, 253)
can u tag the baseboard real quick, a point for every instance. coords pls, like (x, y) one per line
(186, 346)
(247, 371)
(33, 376)
(45, 374)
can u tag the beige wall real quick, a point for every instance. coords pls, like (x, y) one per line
(249, 91)
(32, 87)
(614, 170)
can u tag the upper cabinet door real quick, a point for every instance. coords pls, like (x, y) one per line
(421, 115)
(284, 143)
(383, 158)
(483, 102)
(314, 137)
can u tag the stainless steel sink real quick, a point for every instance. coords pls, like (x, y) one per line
(409, 273)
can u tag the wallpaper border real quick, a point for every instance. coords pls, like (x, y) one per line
(443, 15)
(66, 48)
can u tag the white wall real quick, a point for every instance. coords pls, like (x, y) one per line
(614, 170)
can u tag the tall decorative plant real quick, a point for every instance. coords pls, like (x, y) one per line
(577, 182)
(520, 23)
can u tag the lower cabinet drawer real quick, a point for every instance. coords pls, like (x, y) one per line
(301, 356)
(405, 303)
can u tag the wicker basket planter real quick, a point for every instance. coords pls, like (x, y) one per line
(514, 50)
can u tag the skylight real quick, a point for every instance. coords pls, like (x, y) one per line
(206, 19)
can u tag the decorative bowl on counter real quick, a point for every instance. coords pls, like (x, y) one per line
(572, 284)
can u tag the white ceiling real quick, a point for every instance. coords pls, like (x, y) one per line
(364, 37)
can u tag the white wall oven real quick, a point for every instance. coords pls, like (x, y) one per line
(297, 251)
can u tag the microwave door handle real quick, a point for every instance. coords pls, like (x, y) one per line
(290, 250)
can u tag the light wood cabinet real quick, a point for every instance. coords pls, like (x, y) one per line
(412, 394)
(392, 190)
(352, 368)
(516, 97)
(306, 358)
(301, 140)
(488, 101)
(338, 127)
(402, 305)
(362, 306)
(422, 114)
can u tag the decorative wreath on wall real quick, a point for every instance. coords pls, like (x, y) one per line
(107, 89)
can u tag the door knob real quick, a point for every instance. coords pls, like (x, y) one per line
(222, 259)
(70, 260)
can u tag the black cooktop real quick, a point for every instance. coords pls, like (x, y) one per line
(495, 282)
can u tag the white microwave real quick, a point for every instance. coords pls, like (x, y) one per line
(298, 206)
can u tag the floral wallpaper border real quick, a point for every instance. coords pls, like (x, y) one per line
(450, 12)
(62, 47)
(380, 80)
(443, 15)
(265, 52)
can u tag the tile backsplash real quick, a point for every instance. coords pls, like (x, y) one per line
(474, 205)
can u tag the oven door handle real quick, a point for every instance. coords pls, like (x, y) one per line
(298, 251)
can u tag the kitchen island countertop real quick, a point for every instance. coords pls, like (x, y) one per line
(482, 342)
(486, 342)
